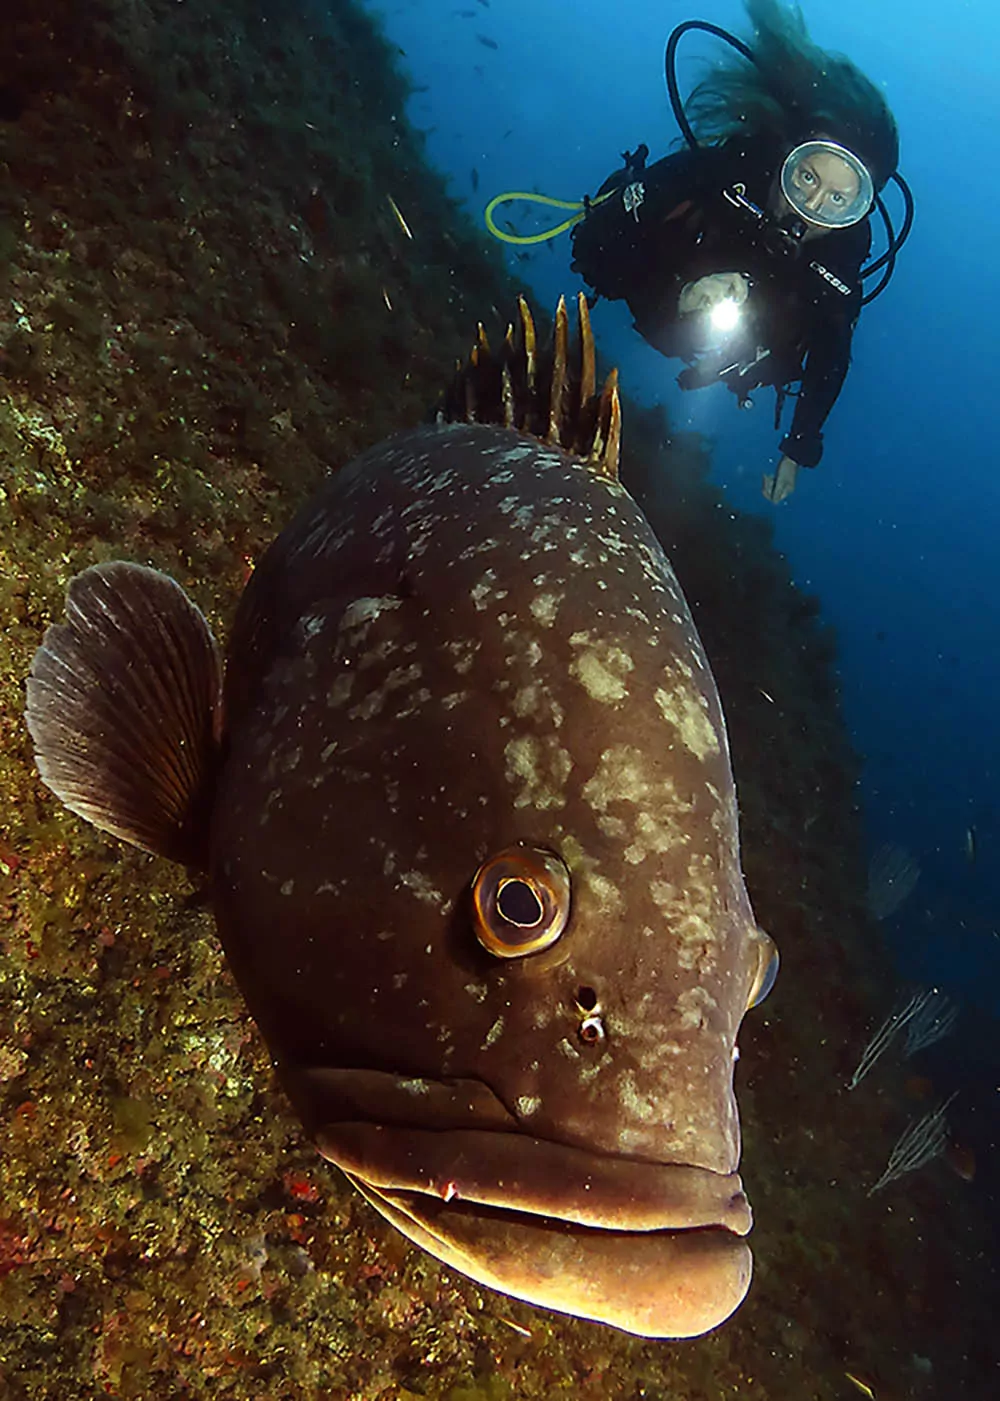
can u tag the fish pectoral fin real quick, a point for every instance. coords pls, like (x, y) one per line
(124, 706)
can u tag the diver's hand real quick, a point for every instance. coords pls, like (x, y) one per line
(709, 291)
(782, 484)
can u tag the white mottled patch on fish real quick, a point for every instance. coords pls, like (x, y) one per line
(544, 608)
(416, 703)
(485, 590)
(686, 709)
(645, 1106)
(325, 538)
(442, 480)
(607, 895)
(478, 991)
(600, 668)
(310, 624)
(374, 656)
(536, 699)
(366, 610)
(614, 543)
(654, 812)
(694, 1008)
(550, 534)
(463, 651)
(480, 547)
(423, 888)
(396, 679)
(494, 1033)
(510, 455)
(526, 1105)
(691, 917)
(539, 767)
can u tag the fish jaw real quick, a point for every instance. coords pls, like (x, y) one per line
(652, 1249)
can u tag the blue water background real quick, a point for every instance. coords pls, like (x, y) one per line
(897, 531)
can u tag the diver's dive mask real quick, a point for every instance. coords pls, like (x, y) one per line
(827, 185)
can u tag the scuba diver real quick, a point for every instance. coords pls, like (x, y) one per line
(744, 253)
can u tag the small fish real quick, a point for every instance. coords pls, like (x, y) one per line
(970, 845)
(962, 1161)
(862, 1386)
(385, 298)
(517, 1327)
(485, 3)
(399, 218)
(474, 177)
(465, 14)
(487, 42)
(507, 133)
(462, 792)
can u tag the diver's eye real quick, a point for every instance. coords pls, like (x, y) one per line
(767, 969)
(520, 901)
(807, 177)
(837, 198)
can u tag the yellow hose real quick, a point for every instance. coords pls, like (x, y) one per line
(578, 206)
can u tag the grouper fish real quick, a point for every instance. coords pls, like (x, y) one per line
(463, 794)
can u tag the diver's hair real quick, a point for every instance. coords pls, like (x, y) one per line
(792, 91)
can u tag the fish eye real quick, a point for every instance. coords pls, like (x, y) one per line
(520, 901)
(767, 969)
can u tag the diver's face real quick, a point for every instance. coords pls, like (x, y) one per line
(824, 185)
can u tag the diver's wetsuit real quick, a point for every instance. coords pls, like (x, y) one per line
(671, 224)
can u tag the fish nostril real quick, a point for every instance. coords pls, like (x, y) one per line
(591, 1031)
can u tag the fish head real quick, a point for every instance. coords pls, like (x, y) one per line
(476, 867)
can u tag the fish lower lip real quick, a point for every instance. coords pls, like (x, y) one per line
(654, 1284)
(654, 1249)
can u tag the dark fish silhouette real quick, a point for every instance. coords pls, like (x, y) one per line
(463, 793)
(487, 42)
(474, 177)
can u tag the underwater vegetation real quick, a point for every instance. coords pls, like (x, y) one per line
(206, 302)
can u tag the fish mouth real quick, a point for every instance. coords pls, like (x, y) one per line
(654, 1249)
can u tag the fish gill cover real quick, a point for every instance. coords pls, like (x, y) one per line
(206, 297)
